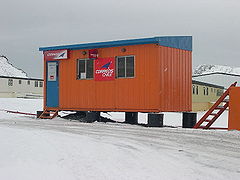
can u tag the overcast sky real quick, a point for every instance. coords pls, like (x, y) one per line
(27, 25)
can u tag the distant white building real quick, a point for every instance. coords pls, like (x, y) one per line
(218, 78)
(14, 87)
(14, 82)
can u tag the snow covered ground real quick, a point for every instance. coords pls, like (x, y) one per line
(60, 149)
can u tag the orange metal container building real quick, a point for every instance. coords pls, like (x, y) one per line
(162, 78)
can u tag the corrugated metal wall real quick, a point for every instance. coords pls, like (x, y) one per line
(162, 82)
(175, 79)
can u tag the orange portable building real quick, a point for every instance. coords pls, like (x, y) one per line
(137, 75)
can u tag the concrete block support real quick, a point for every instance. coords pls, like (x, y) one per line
(189, 119)
(131, 117)
(155, 120)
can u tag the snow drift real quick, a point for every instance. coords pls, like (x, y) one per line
(7, 69)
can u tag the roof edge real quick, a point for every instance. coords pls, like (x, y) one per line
(181, 42)
(102, 44)
(22, 78)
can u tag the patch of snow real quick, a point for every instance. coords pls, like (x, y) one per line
(218, 79)
(7, 69)
(205, 69)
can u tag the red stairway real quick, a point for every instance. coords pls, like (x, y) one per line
(215, 111)
(48, 114)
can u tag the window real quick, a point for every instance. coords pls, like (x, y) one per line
(28, 82)
(125, 66)
(219, 92)
(40, 84)
(36, 83)
(10, 82)
(193, 89)
(196, 89)
(20, 82)
(205, 91)
(85, 69)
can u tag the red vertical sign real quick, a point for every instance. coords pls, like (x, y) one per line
(104, 69)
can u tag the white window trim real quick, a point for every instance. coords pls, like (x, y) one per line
(85, 69)
(116, 66)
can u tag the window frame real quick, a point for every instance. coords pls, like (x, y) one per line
(36, 84)
(40, 84)
(116, 66)
(193, 89)
(10, 82)
(78, 75)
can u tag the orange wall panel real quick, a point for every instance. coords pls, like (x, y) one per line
(234, 106)
(176, 79)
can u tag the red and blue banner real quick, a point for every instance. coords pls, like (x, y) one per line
(104, 69)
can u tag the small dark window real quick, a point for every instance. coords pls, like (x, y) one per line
(10, 82)
(20, 82)
(89, 67)
(130, 66)
(85, 69)
(193, 89)
(121, 67)
(125, 66)
(36, 83)
(40, 84)
(82, 67)
(28, 82)
(196, 89)
(205, 91)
